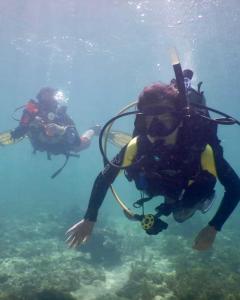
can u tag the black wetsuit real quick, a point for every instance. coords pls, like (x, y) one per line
(36, 132)
(226, 175)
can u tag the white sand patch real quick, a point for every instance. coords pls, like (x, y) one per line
(115, 279)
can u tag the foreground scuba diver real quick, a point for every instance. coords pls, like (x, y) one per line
(172, 157)
(48, 126)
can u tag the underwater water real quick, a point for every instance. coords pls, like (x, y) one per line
(102, 53)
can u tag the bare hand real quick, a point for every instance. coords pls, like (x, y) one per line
(205, 238)
(54, 129)
(79, 233)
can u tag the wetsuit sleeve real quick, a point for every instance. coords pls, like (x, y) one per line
(231, 182)
(23, 126)
(101, 185)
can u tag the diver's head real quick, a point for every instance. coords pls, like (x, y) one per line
(162, 108)
(187, 75)
(46, 98)
(50, 99)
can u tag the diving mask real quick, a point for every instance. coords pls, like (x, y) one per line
(161, 121)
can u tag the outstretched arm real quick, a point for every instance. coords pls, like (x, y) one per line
(23, 126)
(86, 138)
(28, 115)
(231, 182)
(81, 231)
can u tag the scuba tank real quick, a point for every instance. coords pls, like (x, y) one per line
(194, 96)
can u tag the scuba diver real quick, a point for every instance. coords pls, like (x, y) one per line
(174, 154)
(49, 128)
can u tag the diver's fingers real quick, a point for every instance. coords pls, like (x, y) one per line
(70, 237)
(72, 233)
(71, 229)
(85, 239)
(69, 232)
(75, 242)
(72, 242)
(75, 239)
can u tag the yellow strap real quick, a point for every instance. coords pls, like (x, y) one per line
(130, 152)
(208, 161)
(129, 156)
(207, 157)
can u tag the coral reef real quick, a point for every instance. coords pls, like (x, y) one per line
(35, 263)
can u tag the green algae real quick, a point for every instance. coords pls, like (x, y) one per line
(37, 265)
(43, 295)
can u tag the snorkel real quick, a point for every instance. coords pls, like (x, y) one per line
(182, 86)
(179, 78)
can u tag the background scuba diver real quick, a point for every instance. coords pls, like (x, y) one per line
(181, 162)
(48, 126)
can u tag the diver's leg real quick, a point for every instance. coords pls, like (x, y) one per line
(182, 214)
(197, 196)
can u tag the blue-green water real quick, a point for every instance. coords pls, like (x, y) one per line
(101, 54)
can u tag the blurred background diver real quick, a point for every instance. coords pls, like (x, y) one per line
(49, 128)
(171, 156)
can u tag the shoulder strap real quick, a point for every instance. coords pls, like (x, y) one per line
(130, 152)
(207, 160)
